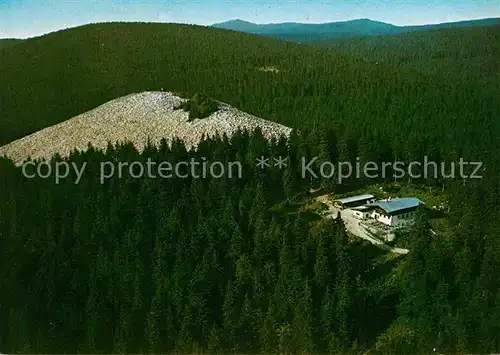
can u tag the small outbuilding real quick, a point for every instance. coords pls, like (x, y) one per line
(361, 212)
(354, 201)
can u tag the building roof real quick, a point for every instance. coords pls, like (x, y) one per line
(398, 204)
(355, 198)
(362, 208)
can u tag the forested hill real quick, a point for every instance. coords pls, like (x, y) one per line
(466, 54)
(52, 78)
(228, 265)
(244, 265)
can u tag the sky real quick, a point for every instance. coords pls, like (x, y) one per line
(30, 18)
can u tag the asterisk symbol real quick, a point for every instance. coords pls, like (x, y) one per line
(280, 162)
(262, 162)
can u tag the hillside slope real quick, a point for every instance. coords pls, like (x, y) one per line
(52, 78)
(240, 265)
(9, 42)
(137, 118)
(469, 54)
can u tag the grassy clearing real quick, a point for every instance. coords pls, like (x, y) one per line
(296, 209)
(315, 206)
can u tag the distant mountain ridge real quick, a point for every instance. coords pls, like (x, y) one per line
(331, 30)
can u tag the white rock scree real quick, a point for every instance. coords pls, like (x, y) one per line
(136, 118)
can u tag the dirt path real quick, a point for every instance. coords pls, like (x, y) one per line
(354, 226)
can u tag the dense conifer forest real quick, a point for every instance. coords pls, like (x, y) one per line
(467, 54)
(229, 265)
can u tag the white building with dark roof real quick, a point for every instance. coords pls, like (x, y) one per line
(397, 212)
